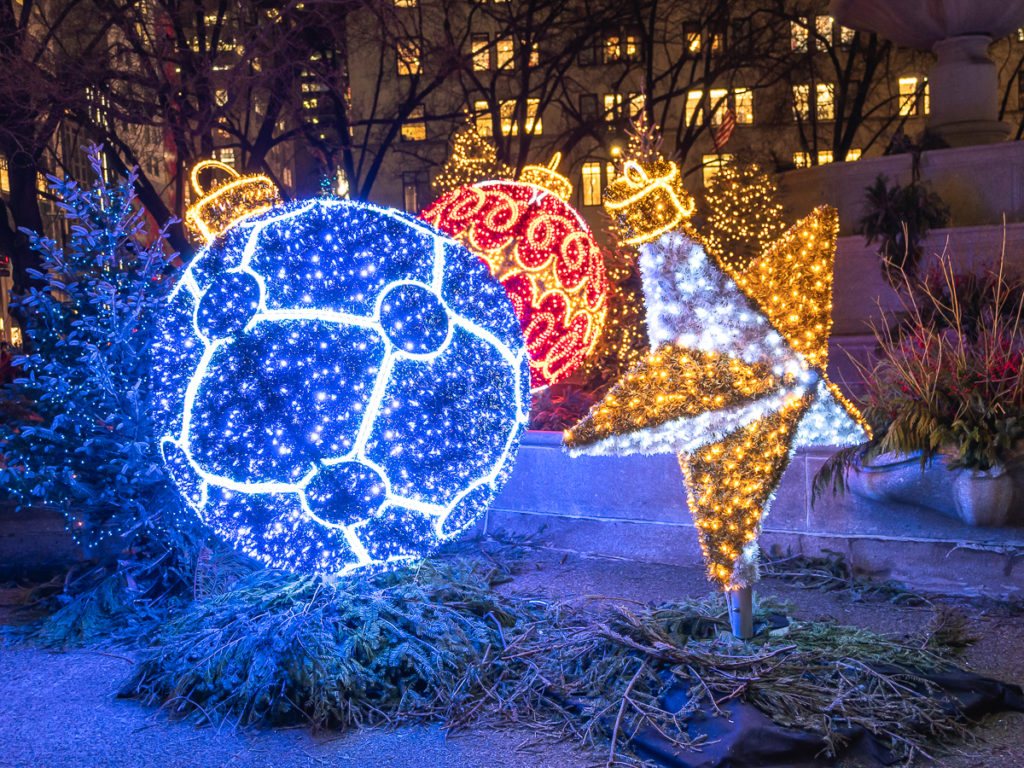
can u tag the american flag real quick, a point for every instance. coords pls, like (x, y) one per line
(724, 131)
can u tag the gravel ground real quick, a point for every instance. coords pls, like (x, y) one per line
(60, 710)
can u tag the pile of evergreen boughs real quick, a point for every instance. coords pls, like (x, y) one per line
(445, 642)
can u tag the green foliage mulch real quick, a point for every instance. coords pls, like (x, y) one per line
(447, 642)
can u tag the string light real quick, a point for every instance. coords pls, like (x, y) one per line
(737, 376)
(218, 209)
(338, 387)
(744, 215)
(473, 159)
(545, 256)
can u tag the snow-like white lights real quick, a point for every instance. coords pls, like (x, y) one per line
(338, 386)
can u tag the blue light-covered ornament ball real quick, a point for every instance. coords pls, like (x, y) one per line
(338, 386)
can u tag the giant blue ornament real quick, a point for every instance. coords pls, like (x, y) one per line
(338, 386)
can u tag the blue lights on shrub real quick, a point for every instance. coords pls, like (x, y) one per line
(338, 386)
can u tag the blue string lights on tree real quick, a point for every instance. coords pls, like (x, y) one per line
(338, 385)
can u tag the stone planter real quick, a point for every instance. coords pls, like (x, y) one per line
(976, 497)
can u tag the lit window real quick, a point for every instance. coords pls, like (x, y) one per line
(227, 156)
(414, 128)
(591, 183)
(717, 40)
(506, 53)
(408, 57)
(482, 118)
(220, 97)
(719, 105)
(533, 122)
(286, 176)
(825, 156)
(5, 179)
(825, 104)
(405, 3)
(612, 48)
(481, 53)
(636, 105)
(631, 49)
(692, 35)
(823, 26)
(1020, 34)
(612, 106)
(609, 169)
(713, 164)
(509, 126)
(693, 104)
(744, 98)
(852, 154)
(798, 34)
(534, 55)
(913, 96)
(801, 102)
(802, 159)
(846, 35)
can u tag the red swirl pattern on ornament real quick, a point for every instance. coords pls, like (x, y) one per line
(543, 253)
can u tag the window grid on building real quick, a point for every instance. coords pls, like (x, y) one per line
(481, 51)
(823, 28)
(801, 102)
(505, 51)
(692, 35)
(719, 105)
(482, 118)
(744, 110)
(825, 101)
(612, 48)
(913, 96)
(5, 177)
(798, 34)
(414, 128)
(410, 192)
(408, 57)
(712, 165)
(590, 187)
(694, 101)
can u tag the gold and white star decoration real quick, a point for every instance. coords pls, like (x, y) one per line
(736, 378)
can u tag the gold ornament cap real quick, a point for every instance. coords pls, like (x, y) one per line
(546, 176)
(230, 202)
(648, 200)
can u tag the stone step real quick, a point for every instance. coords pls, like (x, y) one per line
(634, 507)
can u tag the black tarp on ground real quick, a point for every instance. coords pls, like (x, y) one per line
(749, 739)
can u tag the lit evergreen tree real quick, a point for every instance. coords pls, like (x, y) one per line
(473, 158)
(85, 444)
(744, 214)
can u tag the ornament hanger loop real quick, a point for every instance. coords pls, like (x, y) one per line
(634, 174)
(203, 165)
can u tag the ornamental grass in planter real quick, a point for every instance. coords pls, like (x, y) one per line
(945, 397)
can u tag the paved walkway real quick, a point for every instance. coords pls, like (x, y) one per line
(60, 710)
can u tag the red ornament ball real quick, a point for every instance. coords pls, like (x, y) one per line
(543, 253)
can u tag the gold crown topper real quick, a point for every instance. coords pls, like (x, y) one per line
(648, 200)
(546, 176)
(227, 203)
